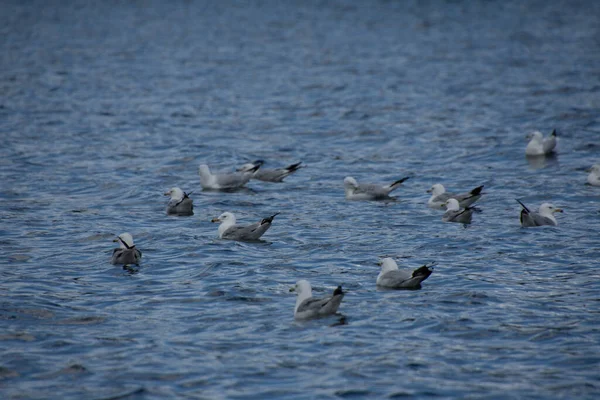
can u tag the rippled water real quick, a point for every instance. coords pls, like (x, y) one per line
(105, 106)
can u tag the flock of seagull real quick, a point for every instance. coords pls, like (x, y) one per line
(459, 208)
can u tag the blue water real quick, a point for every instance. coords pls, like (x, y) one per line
(106, 105)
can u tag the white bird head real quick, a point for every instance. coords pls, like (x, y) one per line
(350, 182)
(303, 289)
(387, 265)
(595, 169)
(452, 205)
(203, 170)
(226, 217)
(436, 189)
(175, 193)
(536, 135)
(125, 240)
(547, 209)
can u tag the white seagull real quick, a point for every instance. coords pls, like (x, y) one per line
(312, 307)
(540, 146)
(544, 216)
(369, 191)
(224, 181)
(229, 230)
(180, 203)
(394, 278)
(126, 253)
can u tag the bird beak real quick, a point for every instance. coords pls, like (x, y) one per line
(167, 193)
(115, 240)
(215, 220)
(558, 210)
(428, 190)
(293, 289)
(379, 263)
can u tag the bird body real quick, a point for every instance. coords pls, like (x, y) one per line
(230, 181)
(439, 196)
(126, 253)
(455, 214)
(538, 145)
(594, 175)
(544, 216)
(180, 203)
(369, 191)
(394, 278)
(228, 229)
(312, 307)
(270, 175)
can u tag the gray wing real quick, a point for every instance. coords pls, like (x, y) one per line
(181, 207)
(371, 189)
(442, 198)
(395, 278)
(249, 232)
(460, 216)
(313, 304)
(271, 175)
(232, 180)
(534, 219)
(126, 256)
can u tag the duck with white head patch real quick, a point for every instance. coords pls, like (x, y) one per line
(228, 229)
(369, 191)
(224, 181)
(544, 216)
(393, 278)
(180, 203)
(313, 307)
(540, 146)
(126, 253)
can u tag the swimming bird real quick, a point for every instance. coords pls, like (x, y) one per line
(126, 253)
(312, 307)
(229, 230)
(224, 181)
(394, 278)
(369, 191)
(180, 203)
(544, 216)
(594, 176)
(538, 146)
(270, 175)
(455, 214)
(439, 196)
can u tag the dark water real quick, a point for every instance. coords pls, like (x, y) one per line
(105, 105)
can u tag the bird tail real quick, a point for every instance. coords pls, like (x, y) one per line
(338, 291)
(523, 205)
(268, 220)
(397, 183)
(553, 133)
(293, 167)
(477, 190)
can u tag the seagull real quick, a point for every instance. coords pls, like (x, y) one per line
(311, 307)
(594, 176)
(439, 196)
(545, 215)
(270, 175)
(369, 191)
(126, 253)
(180, 203)
(394, 278)
(224, 181)
(229, 230)
(455, 214)
(538, 146)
